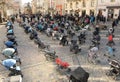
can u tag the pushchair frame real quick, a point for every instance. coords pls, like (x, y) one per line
(114, 69)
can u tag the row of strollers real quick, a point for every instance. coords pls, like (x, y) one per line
(61, 66)
(12, 61)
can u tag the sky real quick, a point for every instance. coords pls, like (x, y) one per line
(25, 1)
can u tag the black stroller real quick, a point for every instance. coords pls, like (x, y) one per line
(50, 54)
(79, 75)
(15, 71)
(74, 47)
(12, 39)
(11, 53)
(114, 69)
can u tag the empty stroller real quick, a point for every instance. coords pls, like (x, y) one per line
(92, 55)
(10, 44)
(10, 32)
(50, 54)
(11, 53)
(12, 38)
(75, 48)
(11, 65)
(79, 75)
(114, 70)
(64, 41)
(8, 52)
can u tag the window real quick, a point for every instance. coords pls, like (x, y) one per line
(102, 1)
(84, 4)
(70, 5)
(66, 11)
(77, 4)
(66, 6)
(91, 12)
(83, 12)
(92, 3)
(112, 0)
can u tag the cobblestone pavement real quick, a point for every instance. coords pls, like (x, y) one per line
(35, 68)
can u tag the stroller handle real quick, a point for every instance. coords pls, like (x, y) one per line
(114, 63)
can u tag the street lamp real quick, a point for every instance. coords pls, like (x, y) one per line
(96, 11)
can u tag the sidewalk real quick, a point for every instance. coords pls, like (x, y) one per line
(3, 23)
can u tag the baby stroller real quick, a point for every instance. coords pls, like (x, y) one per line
(64, 41)
(10, 32)
(42, 45)
(82, 38)
(110, 32)
(11, 53)
(12, 39)
(15, 71)
(26, 29)
(92, 55)
(12, 66)
(33, 35)
(10, 44)
(75, 48)
(78, 75)
(62, 66)
(114, 69)
(50, 54)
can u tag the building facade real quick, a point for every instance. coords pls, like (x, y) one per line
(40, 6)
(109, 8)
(2, 8)
(81, 6)
(9, 7)
(60, 6)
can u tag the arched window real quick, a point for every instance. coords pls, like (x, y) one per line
(66, 6)
(92, 3)
(71, 5)
(77, 4)
(84, 3)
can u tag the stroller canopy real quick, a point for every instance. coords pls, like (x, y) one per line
(11, 37)
(79, 75)
(9, 43)
(8, 51)
(10, 31)
(9, 63)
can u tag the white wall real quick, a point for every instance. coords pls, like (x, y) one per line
(116, 12)
(9, 12)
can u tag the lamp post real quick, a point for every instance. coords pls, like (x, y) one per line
(96, 11)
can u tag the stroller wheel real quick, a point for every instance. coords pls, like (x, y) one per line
(76, 51)
(115, 77)
(11, 74)
(109, 73)
(70, 50)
